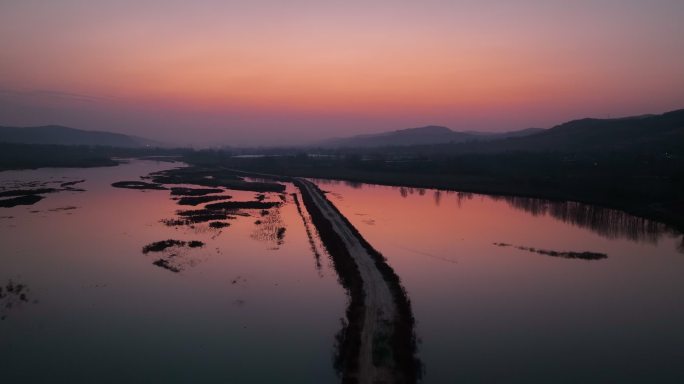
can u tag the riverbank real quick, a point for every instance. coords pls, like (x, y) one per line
(15, 156)
(650, 185)
(670, 212)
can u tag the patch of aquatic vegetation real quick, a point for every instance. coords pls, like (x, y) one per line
(197, 216)
(182, 191)
(197, 200)
(218, 224)
(159, 246)
(217, 213)
(20, 200)
(12, 297)
(71, 183)
(51, 185)
(213, 177)
(15, 193)
(206, 187)
(60, 209)
(235, 205)
(167, 264)
(173, 259)
(141, 185)
(563, 254)
(201, 186)
(270, 229)
(26, 192)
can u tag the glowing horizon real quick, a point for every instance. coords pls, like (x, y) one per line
(263, 72)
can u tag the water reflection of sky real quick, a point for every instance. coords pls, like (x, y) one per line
(502, 314)
(607, 222)
(240, 310)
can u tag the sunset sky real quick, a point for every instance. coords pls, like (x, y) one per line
(282, 72)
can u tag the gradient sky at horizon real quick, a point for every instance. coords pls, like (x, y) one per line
(272, 72)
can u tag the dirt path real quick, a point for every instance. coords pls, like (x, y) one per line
(380, 310)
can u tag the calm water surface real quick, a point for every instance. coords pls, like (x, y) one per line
(244, 308)
(500, 314)
(247, 308)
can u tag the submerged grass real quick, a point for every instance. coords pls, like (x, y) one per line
(20, 200)
(26, 192)
(138, 185)
(196, 200)
(71, 183)
(159, 246)
(197, 216)
(234, 205)
(29, 193)
(202, 215)
(563, 254)
(170, 261)
(213, 177)
(12, 296)
(218, 224)
(182, 191)
(164, 263)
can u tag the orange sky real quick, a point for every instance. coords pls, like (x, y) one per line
(260, 71)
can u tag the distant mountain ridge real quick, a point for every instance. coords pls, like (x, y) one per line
(427, 135)
(60, 135)
(663, 132)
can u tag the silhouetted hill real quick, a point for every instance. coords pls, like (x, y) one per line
(59, 135)
(647, 133)
(631, 133)
(427, 135)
